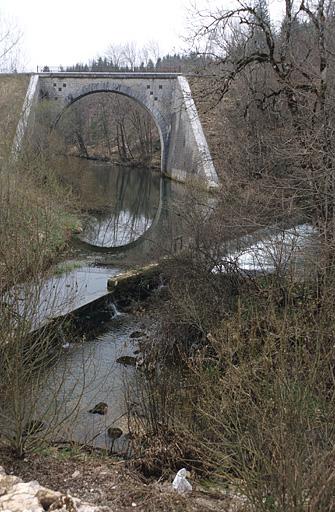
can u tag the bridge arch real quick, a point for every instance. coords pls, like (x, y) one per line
(117, 88)
(167, 97)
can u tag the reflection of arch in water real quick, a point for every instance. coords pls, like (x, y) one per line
(132, 196)
(124, 90)
(149, 234)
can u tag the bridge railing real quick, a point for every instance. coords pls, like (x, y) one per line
(90, 69)
(50, 69)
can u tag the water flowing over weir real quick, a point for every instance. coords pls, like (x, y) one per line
(130, 219)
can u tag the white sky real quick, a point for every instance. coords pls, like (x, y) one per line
(69, 31)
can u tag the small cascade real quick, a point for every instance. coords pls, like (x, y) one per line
(65, 343)
(161, 285)
(113, 309)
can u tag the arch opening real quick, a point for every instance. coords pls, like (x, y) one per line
(120, 144)
(136, 99)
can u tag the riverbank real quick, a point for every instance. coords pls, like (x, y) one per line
(13, 88)
(104, 482)
(100, 154)
(90, 473)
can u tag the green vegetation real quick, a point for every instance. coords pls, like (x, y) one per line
(67, 267)
(36, 221)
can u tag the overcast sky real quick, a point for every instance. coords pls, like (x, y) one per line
(69, 31)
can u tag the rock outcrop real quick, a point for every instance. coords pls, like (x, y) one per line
(19, 496)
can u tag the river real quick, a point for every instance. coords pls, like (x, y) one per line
(122, 202)
(129, 217)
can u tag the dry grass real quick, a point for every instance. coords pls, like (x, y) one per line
(35, 225)
(13, 89)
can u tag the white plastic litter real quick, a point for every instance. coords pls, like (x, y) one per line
(180, 483)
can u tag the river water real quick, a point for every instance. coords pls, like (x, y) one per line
(130, 216)
(126, 202)
(129, 210)
(90, 374)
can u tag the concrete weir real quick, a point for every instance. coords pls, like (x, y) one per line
(166, 96)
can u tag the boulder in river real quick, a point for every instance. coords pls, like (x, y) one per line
(100, 408)
(127, 360)
(137, 334)
(114, 433)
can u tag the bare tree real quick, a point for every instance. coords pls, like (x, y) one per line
(110, 126)
(116, 55)
(130, 54)
(150, 52)
(282, 78)
(10, 37)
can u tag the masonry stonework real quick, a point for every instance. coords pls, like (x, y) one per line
(167, 97)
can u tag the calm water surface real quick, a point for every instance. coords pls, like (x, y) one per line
(121, 205)
(93, 375)
(121, 202)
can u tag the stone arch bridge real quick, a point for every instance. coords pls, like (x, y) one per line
(166, 96)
